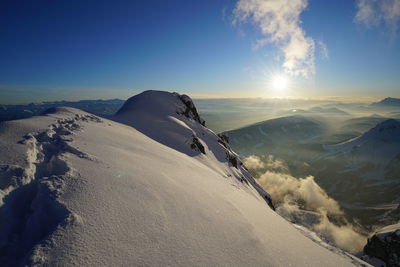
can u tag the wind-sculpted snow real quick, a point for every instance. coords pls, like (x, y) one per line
(30, 209)
(83, 191)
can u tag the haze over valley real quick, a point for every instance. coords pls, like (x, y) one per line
(200, 133)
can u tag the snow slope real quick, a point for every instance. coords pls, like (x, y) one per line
(378, 146)
(154, 187)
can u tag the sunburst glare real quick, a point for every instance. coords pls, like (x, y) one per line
(279, 84)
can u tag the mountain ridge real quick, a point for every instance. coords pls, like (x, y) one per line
(388, 101)
(82, 190)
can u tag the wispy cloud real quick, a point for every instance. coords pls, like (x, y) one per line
(280, 24)
(323, 50)
(267, 162)
(373, 12)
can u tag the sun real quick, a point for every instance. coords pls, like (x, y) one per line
(279, 82)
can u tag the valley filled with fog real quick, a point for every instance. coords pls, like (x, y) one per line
(330, 166)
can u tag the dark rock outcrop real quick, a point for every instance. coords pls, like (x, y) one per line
(197, 145)
(190, 111)
(385, 245)
(224, 137)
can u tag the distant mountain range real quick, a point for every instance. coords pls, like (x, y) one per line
(317, 111)
(389, 101)
(98, 107)
(295, 139)
(276, 132)
(366, 171)
(360, 125)
(375, 151)
(363, 169)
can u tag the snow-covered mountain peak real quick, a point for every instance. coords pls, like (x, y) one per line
(377, 147)
(159, 103)
(389, 124)
(388, 130)
(169, 118)
(389, 101)
(173, 120)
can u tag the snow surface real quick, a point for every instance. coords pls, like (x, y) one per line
(79, 190)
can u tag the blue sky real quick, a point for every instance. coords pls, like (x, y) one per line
(52, 50)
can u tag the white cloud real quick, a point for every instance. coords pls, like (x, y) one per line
(304, 202)
(373, 12)
(274, 164)
(253, 162)
(365, 13)
(311, 196)
(323, 50)
(265, 163)
(279, 23)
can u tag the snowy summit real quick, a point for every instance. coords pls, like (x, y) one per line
(151, 187)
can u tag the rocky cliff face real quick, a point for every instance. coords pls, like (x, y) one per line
(385, 245)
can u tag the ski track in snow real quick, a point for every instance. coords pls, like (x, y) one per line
(31, 210)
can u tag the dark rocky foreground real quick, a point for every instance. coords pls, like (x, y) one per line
(385, 245)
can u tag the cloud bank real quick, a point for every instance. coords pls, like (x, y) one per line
(265, 162)
(280, 24)
(373, 12)
(304, 202)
